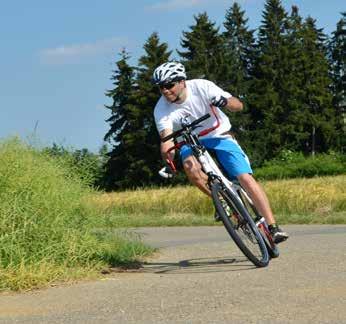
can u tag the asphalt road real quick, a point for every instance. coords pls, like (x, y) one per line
(199, 276)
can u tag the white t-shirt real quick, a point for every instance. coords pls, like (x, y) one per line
(199, 94)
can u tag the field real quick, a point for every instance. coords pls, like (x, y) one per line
(310, 201)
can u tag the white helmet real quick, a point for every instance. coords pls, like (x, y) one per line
(169, 72)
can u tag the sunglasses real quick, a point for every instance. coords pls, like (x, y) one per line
(167, 86)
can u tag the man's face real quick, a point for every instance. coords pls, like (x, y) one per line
(172, 90)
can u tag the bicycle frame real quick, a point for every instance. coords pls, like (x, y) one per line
(208, 165)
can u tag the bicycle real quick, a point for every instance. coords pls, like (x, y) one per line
(244, 224)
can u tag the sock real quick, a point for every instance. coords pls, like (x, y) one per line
(272, 226)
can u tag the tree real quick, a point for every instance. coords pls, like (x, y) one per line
(337, 50)
(317, 99)
(203, 49)
(294, 131)
(239, 48)
(135, 157)
(143, 144)
(123, 81)
(270, 68)
(239, 52)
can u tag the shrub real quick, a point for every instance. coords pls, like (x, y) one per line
(295, 165)
(87, 165)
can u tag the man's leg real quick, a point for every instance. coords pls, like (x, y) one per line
(258, 196)
(195, 174)
(197, 177)
(261, 202)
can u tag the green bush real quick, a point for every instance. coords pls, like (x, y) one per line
(295, 165)
(87, 165)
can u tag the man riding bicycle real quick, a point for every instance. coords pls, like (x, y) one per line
(181, 98)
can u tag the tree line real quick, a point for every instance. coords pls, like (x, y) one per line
(289, 74)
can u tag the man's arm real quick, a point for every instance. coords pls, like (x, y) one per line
(166, 145)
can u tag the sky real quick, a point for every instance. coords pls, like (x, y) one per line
(57, 57)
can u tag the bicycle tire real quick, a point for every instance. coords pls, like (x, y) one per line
(262, 226)
(240, 225)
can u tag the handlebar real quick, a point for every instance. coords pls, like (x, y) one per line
(195, 123)
(190, 126)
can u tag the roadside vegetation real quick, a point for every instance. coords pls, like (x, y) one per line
(47, 231)
(289, 164)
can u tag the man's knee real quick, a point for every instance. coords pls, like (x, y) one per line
(193, 170)
(246, 179)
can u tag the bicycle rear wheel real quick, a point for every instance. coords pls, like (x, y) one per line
(261, 225)
(240, 225)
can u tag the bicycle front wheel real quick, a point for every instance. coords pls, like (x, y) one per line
(239, 225)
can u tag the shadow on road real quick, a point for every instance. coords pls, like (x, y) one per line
(201, 265)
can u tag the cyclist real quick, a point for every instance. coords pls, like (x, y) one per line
(181, 98)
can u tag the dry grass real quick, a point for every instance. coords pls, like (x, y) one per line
(317, 200)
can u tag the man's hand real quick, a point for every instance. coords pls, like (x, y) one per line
(219, 101)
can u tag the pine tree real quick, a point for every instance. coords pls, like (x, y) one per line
(238, 61)
(271, 65)
(337, 51)
(145, 159)
(135, 158)
(317, 100)
(239, 48)
(294, 133)
(123, 81)
(203, 49)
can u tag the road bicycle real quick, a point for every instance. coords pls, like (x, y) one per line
(244, 224)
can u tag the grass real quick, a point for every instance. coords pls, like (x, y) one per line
(319, 200)
(47, 231)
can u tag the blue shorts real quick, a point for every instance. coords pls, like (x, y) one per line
(228, 152)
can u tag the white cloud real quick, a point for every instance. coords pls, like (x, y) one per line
(181, 4)
(75, 52)
(176, 4)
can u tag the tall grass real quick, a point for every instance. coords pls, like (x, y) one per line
(47, 230)
(316, 200)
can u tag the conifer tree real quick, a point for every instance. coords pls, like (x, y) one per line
(135, 158)
(271, 65)
(239, 48)
(238, 61)
(145, 158)
(203, 49)
(317, 100)
(123, 81)
(294, 131)
(337, 51)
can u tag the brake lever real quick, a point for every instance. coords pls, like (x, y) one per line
(166, 172)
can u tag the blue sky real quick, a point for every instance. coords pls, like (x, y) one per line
(57, 57)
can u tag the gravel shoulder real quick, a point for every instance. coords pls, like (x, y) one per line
(199, 276)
